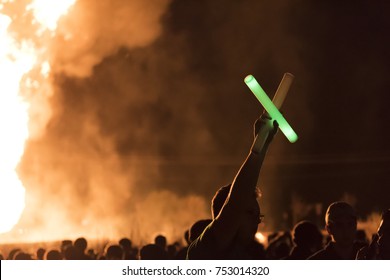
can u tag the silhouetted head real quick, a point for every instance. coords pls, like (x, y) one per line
(197, 228)
(41, 253)
(22, 256)
(161, 240)
(114, 252)
(341, 222)
(153, 252)
(53, 255)
(125, 243)
(249, 221)
(13, 253)
(81, 244)
(384, 236)
(307, 235)
(64, 244)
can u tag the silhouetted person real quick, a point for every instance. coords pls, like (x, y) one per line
(41, 253)
(64, 244)
(161, 241)
(232, 231)
(71, 253)
(380, 244)
(114, 252)
(91, 254)
(307, 239)
(125, 243)
(13, 253)
(129, 251)
(340, 223)
(22, 256)
(153, 252)
(53, 255)
(80, 245)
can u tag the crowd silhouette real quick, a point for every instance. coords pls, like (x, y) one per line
(230, 233)
(306, 241)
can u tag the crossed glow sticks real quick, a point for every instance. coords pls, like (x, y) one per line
(272, 106)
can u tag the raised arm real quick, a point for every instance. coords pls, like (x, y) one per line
(244, 184)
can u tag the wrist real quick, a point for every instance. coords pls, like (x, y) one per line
(259, 143)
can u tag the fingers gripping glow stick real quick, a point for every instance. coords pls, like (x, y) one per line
(270, 107)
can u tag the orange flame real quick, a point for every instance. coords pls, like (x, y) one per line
(48, 12)
(18, 58)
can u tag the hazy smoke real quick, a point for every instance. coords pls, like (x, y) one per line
(94, 171)
(94, 30)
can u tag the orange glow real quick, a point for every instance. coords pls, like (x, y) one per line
(15, 61)
(261, 238)
(17, 58)
(48, 12)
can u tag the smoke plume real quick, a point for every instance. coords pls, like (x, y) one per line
(93, 167)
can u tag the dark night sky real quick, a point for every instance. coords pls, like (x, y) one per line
(178, 115)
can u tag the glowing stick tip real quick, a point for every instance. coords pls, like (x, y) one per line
(248, 79)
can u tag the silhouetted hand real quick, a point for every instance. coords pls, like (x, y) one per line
(264, 131)
(264, 120)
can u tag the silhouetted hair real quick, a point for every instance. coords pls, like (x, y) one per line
(80, 244)
(160, 240)
(125, 243)
(64, 244)
(338, 210)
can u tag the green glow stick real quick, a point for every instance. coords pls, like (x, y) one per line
(271, 108)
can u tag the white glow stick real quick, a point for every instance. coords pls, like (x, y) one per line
(282, 90)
